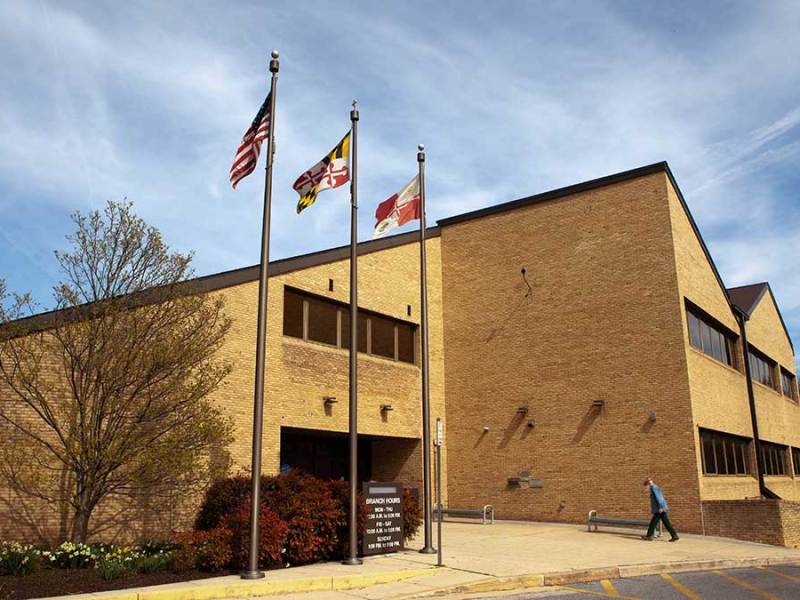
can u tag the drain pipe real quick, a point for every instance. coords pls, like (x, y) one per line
(762, 488)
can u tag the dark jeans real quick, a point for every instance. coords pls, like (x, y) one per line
(664, 519)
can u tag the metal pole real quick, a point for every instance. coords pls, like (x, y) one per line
(352, 558)
(439, 494)
(252, 571)
(426, 405)
(762, 487)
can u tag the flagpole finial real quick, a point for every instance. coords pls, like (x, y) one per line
(275, 54)
(354, 112)
(421, 153)
(273, 64)
(421, 147)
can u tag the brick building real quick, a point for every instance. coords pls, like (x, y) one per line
(580, 340)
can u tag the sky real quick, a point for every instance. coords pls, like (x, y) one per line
(149, 100)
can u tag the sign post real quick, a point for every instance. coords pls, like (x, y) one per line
(438, 443)
(383, 530)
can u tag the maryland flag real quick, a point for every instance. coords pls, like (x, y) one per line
(331, 172)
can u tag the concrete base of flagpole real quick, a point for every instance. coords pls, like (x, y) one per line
(353, 562)
(428, 550)
(252, 575)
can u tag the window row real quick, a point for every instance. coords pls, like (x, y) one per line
(319, 320)
(724, 454)
(710, 338)
(761, 368)
(787, 384)
(773, 457)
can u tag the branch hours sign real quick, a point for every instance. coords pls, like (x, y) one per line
(383, 531)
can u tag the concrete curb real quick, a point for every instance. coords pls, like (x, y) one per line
(205, 589)
(503, 584)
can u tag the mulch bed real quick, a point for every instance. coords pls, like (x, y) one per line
(60, 582)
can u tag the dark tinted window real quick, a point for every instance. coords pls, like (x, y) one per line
(292, 314)
(761, 368)
(322, 321)
(787, 384)
(405, 342)
(362, 330)
(382, 331)
(796, 460)
(724, 454)
(709, 338)
(774, 458)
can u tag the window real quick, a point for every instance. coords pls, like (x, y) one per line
(724, 454)
(325, 321)
(787, 384)
(405, 342)
(709, 337)
(773, 457)
(761, 368)
(322, 321)
(796, 460)
(292, 314)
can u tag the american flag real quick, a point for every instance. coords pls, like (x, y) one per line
(249, 149)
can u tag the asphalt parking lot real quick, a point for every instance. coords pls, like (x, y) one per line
(779, 582)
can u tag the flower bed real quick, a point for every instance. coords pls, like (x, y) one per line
(302, 520)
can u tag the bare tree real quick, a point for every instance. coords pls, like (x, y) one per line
(112, 388)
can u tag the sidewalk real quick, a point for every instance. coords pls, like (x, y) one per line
(483, 558)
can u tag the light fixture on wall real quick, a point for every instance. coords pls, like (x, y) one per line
(598, 403)
(485, 429)
(329, 400)
(522, 410)
(652, 417)
(386, 408)
(531, 423)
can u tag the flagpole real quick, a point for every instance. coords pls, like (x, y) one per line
(252, 571)
(426, 403)
(352, 558)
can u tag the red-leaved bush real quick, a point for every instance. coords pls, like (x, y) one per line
(272, 532)
(305, 515)
(203, 550)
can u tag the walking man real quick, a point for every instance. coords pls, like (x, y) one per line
(659, 508)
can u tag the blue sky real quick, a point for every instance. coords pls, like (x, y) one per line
(105, 100)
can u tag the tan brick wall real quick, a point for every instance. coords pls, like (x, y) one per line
(298, 375)
(718, 392)
(778, 415)
(774, 522)
(603, 323)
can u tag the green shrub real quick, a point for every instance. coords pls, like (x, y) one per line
(155, 562)
(18, 559)
(154, 547)
(112, 568)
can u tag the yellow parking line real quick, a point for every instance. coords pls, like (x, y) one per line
(680, 587)
(779, 574)
(609, 588)
(593, 593)
(747, 586)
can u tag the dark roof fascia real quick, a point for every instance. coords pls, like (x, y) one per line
(208, 283)
(584, 186)
(748, 311)
(226, 279)
(736, 297)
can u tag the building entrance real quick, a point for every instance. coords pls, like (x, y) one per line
(324, 454)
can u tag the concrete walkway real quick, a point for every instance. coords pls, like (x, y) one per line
(484, 558)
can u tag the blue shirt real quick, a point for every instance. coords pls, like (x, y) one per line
(657, 500)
